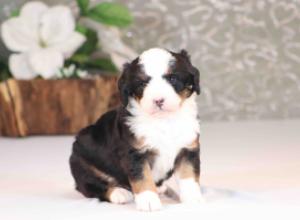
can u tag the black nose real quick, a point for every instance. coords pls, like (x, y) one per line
(159, 102)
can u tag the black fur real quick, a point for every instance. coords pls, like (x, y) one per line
(184, 74)
(86, 181)
(108, 144)
(132, 81)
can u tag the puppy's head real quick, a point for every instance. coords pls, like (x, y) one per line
(159, 81)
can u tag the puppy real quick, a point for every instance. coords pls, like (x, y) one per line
(130, 151)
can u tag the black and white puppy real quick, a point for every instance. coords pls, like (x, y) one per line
(131, 150)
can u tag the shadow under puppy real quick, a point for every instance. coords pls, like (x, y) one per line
(130, 151)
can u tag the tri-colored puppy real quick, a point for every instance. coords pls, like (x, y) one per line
(131, 150)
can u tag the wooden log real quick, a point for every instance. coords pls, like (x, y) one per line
(8, 123)
(54, 106)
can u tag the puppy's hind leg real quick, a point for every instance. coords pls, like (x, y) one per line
(85, 180)
(94, 183)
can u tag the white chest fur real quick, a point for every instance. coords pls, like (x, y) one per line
(166, 135)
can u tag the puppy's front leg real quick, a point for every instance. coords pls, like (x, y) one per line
(144, 188)
(187, 171)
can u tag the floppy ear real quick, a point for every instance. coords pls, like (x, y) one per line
(123, 85)
(196, 80)
(194, 72)
(185, 54)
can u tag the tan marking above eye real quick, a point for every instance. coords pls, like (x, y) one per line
(184, 94)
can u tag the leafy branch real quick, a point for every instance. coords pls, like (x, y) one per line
(107, 13)
(85, 59)
(4, 71)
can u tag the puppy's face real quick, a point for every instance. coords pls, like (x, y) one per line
(159, 81)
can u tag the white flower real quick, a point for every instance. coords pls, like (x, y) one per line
(42, 38)
(111, 43)
(82, 73)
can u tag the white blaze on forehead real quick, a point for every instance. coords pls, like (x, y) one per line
(156, 61)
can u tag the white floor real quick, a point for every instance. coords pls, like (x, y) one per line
(250, 170)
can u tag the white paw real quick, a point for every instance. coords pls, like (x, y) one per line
(190, 191)
(148, 201)
(120, 196)
(192, 198)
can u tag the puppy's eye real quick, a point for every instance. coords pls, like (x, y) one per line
(141, 84)
(173, 79)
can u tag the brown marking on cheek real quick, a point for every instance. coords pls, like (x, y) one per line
(138, 99)
(146, 183)
(184, 94)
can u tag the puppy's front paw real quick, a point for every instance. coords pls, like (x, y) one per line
(148, 201)
(190, 191)
(192, 198)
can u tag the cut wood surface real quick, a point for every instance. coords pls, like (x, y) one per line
(54, 106)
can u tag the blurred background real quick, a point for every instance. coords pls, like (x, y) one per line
(248, 54)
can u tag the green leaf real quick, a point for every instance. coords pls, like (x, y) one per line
(4, 71)
(15, 13)
(90, 45)
(81, 29)
(84, 62)
(83, 6)
(79, 59)
(110, 14)
(101, 64)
